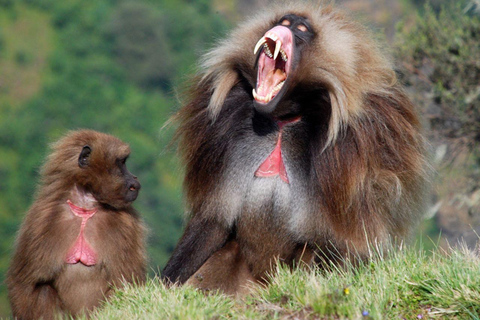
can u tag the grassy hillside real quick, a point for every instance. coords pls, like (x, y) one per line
(409, 284)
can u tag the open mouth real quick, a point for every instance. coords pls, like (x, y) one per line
(273, 63)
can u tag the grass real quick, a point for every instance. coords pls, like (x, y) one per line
(409, 284)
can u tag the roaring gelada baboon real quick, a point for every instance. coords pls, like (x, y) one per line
(81, 237)
(299, 144)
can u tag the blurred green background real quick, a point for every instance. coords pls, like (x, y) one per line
(118, 66)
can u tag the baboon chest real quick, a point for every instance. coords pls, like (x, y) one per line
(81, 288)
(262, 227)
(81, 251)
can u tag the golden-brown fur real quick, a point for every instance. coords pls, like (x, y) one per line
(355, 159)
(40, 282)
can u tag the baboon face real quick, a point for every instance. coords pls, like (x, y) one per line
(103, 172)
(279, 53)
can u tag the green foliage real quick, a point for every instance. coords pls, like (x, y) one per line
(93, 69)
(441, 55)
(403, 284)
(140, 43)
(435, 4)
(6, 3)
(2, 42)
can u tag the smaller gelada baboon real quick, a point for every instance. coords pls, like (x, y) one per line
(81, 236)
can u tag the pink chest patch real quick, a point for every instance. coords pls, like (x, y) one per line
(81, 251)
(273, 165)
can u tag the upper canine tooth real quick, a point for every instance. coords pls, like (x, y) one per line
(278, 46)
(259, 44)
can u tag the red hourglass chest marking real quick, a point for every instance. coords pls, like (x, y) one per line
(81, 251)
(273, 165)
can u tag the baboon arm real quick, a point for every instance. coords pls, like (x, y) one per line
(34, 301)
(200, 240)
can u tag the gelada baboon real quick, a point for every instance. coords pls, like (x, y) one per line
(298, 141)
(81, 236)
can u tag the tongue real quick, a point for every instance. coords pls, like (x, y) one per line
(272, 78)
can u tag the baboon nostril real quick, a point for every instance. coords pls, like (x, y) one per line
(134, 185)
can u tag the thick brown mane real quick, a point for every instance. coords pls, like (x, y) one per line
(355, 159)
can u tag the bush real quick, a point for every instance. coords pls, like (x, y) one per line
(440, 51)
(141, 45)
(441, 60)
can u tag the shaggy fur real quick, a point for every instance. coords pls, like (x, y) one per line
(40, 282)
(356, 159)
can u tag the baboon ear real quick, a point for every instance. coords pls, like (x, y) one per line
(83, 157)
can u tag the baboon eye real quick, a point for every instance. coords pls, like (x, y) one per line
(83, 158)
(302, 28)
(285, 22)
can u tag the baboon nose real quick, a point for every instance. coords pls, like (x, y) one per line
(132, 190)
(135, 185)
